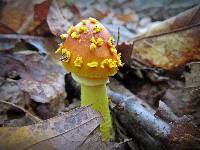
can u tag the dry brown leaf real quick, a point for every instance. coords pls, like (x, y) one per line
(37, 76)
(57, 23)
(67, 131)
(171, 44)
(127, 18)
(9, 41)
(94, 142)
(184, 97)
(11, 92)
(5, 29)
(184, 134)
(191, 96)
(24, 19)
(192, 77)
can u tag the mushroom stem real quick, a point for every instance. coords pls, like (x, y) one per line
(94, 93)
(96, 96)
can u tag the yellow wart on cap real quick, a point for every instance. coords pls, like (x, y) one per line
(63, 36)
(85, 29)
(112, 64)
(99, 42)
(59, 49)
(82, 29)
(92, 64)
(92, 40)
(119, 62)
(71, 30)
(111, 45)
(93, 46)
(83, 22)
(92, 20)
(103, 63)
(96, 42)
(75, 35)
(109, 62)
(78, 62)
(113, 50)
(111, 41)
(97, 29)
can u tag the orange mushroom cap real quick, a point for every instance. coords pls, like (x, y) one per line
(88, 50)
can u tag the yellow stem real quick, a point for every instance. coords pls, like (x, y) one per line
(96, 96)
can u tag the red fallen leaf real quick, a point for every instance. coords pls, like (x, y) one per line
(5, 30)
(41, 10)
(171, 44)
(23, 19)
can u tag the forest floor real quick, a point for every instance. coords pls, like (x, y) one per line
(154, 97)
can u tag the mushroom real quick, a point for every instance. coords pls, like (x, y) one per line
(88, 52)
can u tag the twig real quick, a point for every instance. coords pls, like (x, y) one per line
(155, 126)
(125, 141)
(168, 32)
(126, 125)
(168, 134)
(165, 112)
(118, 36)
(35, 119)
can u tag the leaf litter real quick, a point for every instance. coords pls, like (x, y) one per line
(68, 130)
(150, 48)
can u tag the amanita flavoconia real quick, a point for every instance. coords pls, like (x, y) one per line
(88, 52)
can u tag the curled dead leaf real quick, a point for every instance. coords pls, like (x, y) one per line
(171, 44)
(57, 23)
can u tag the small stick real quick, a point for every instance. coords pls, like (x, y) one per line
(35, 119)
(118, 36)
